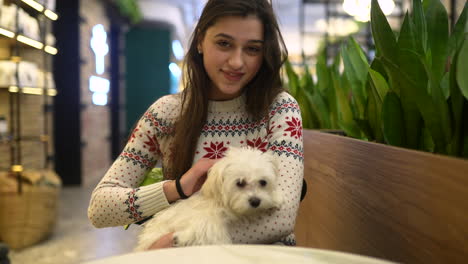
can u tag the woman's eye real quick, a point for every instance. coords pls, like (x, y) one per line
(253, 50)
(223, 44)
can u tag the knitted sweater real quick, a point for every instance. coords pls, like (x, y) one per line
(117, 200)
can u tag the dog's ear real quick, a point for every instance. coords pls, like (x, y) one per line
(233, 152)
(213, 184)
(278, 198)
(277, 194)
(273, 160)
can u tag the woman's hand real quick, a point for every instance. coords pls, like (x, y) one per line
(194, 178)
(191, 181)
(165, 241)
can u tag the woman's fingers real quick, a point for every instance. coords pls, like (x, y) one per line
(194, 178)
(165, 241)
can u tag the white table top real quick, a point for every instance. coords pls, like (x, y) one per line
(230, 254)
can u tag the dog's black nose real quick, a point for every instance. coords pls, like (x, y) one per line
(254, 202)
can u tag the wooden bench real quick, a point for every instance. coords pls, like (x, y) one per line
(381, 201)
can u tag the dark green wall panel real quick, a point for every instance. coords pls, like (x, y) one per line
(147, 54)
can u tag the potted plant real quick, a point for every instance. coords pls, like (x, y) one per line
(413, 94)
(395, 187)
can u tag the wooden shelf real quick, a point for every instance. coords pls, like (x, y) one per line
(31, 90)
(30, 141)
(10, 139)
(26, 42)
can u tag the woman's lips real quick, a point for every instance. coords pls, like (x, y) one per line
(232, 76)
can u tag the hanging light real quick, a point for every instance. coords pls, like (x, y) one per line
(360, 9)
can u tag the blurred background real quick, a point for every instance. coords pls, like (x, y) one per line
(75, 75)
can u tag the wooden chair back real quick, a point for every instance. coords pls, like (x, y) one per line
(382, 201)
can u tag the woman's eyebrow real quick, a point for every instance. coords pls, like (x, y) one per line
(230, 37)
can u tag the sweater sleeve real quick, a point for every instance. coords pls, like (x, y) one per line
(117, 200)
(285, 141)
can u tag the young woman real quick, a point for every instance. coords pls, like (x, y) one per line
(233, 96)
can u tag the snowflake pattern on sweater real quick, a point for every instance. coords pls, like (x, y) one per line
(117, 199)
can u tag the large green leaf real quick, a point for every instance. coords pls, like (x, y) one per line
(465, 131)
(318, 107)
(374, 117)
(336, 62)
(462, 69)
(412, 77)
(445, 85)
(333, 107)
(458, 32)
(309, 117)
(364, 126)
(303, 94)
(345, 114)
(420, 31)
(406, 38)
(293, 79)
(437, 36)
(377, 90)
(426, 144)
(411, 116)
(380, 86)
(307, 81)
(323, 73)
(355, 69)
(392, 120)
(378, 66)
(326, 88)
(321, 108)
(384, 38)
(441, 121)
(441, 106)
(456, 104)
(373, 113)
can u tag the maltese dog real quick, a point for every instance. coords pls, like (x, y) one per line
(238, 186)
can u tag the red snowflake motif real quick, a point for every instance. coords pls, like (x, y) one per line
(215, 151)
(258, 144)
(152, 143)
(270, 131)
(295, 127)
(132, 138)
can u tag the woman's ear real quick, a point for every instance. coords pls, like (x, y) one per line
(199, 48)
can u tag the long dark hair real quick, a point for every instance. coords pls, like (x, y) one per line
(260, 92)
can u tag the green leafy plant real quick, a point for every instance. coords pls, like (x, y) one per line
(130, 9)
(414, 94)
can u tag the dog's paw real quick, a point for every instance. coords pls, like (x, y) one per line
(179, 241)
(175, 241)
(182, 239)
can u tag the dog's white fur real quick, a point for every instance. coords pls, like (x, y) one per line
(235, 184)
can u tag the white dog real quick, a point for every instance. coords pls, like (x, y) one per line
(241, 184)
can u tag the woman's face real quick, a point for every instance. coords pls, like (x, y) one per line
(232, 54)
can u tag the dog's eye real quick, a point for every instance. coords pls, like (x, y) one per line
(240, 183)
(263, 182)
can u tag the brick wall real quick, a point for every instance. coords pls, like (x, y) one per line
(95, 120)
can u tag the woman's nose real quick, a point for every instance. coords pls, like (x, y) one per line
(235, 60)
